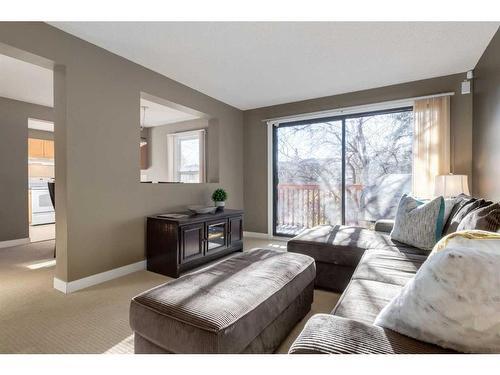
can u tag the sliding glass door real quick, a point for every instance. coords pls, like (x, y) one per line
(308, 176)
(378, 165)
(341, 170)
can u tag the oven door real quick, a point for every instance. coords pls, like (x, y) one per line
(42, 211)
(40, 201)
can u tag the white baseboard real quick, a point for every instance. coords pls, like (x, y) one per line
(17, 242)
(264, 236)
(257, 235)
(73, 286)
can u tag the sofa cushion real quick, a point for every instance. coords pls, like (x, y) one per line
(224, 307)
(388, 266)
(329, 334)
(364, 299)
(342, 245)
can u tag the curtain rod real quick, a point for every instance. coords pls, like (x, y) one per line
(352, 109)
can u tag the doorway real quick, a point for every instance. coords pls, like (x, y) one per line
(41, 179)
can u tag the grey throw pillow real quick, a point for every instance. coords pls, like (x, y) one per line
(417, 223)
(460, 202)
(464, 210)
(485, 218)
(449, 205)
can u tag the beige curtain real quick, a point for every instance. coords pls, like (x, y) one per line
(431, 143)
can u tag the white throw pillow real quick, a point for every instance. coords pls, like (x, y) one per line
(454, 299)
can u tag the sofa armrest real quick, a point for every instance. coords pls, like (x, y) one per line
(384, 225)
(330, 334)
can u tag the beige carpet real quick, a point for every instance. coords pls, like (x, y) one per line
(35, 318)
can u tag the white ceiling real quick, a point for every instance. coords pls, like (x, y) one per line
(254, 64)
(26, 82)
(158, 114)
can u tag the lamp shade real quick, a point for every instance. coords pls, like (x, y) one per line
(451, 185)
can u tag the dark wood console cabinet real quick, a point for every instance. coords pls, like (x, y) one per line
(174, 246)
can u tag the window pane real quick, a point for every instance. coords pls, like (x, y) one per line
(309, 172)
(189, 154)
(189, 177)
(188, 167)
(378, 165)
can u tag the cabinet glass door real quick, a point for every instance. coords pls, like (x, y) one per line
(216, 236)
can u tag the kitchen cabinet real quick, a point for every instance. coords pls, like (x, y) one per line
(174, 246)
(35, 148)
(48, 149)
(40, 148)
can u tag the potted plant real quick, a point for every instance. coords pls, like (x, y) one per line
(219, 197)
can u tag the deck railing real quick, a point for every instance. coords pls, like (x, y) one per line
(303, 206)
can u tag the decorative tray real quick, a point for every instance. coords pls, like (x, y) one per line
(202, 209)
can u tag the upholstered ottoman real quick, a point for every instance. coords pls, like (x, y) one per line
(245, 304)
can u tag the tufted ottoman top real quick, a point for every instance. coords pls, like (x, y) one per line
(222, 308)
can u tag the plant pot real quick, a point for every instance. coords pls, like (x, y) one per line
(220, 205)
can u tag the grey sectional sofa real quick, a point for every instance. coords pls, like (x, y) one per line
(370, 269)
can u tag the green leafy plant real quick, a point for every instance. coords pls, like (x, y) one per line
(219, 195)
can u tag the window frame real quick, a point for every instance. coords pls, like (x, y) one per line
(173, 154)
(342, 118)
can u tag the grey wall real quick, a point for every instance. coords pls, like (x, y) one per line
(14, 165)
(255, 133)
(486, 142)
(157, 137)
(100, 220)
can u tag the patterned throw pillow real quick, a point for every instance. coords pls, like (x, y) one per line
(454, 299)
(467, 207)
(485, 218)
(417, 223)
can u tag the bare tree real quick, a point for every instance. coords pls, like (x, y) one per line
(378, 155)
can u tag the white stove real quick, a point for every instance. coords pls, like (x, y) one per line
(42, 210)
